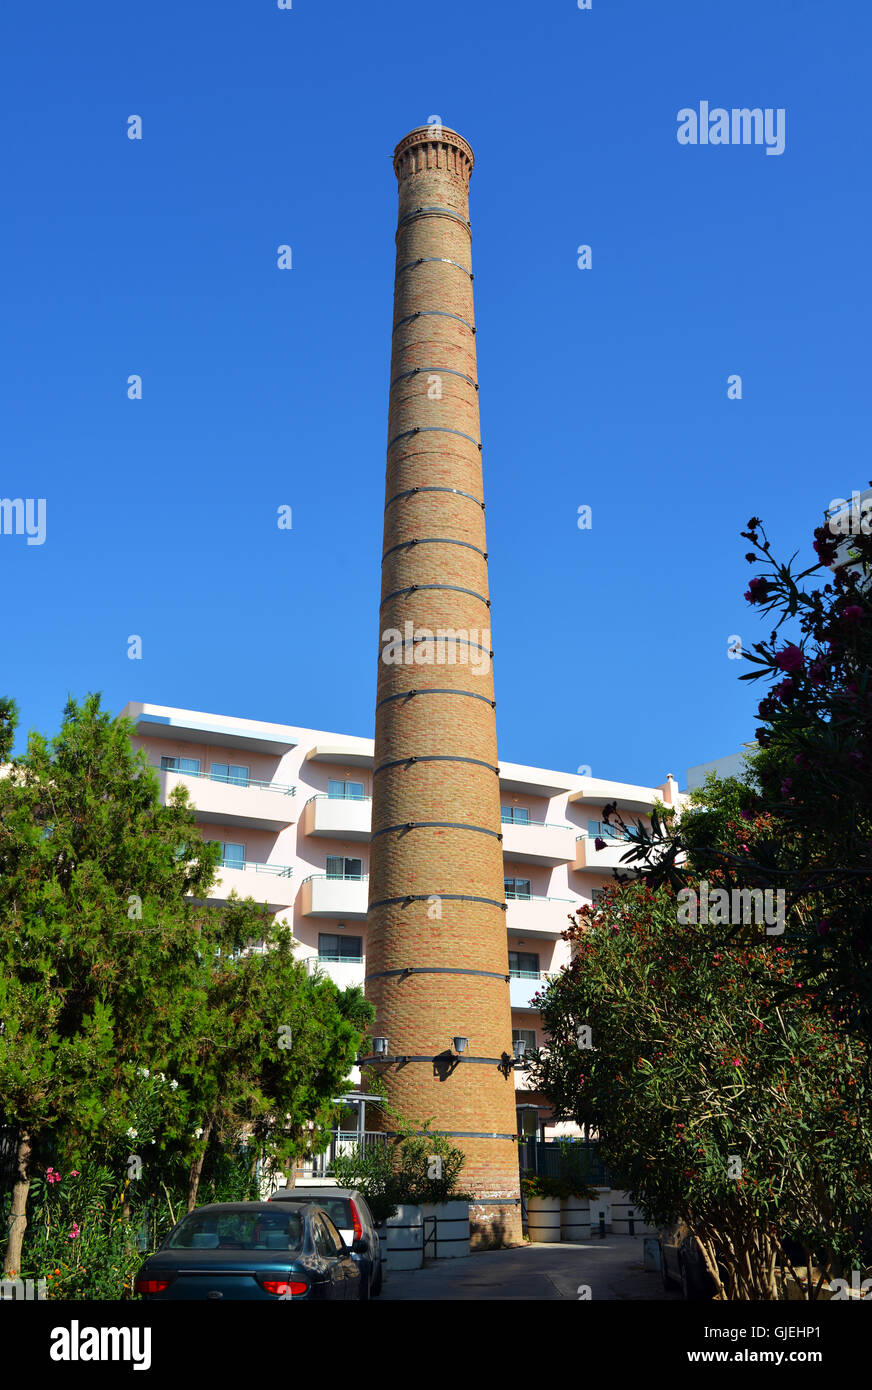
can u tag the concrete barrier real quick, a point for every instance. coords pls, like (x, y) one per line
(543, 1220)
(452, 1230)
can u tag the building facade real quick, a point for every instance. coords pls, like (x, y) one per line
(292, 809)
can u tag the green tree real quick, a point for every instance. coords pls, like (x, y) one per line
(113, 965)
(747, 1119)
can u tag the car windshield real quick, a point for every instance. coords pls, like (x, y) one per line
(239, 1230)
(337, 1208)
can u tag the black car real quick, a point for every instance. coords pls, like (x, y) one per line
(251, 1250)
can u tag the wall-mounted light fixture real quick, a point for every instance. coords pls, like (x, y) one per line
(460, 1044)
(380, 1047)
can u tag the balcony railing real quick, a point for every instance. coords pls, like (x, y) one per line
(337, 878)
(346, 796)
(284, 870)
(534, 898)
(338, 960)
(529, 975)
(539, 824)
(279, 787)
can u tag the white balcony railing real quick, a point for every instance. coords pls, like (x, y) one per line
(538, 842)
(344, 971)
(266, 883)
(234, 801)
(338, 817)
(542, 917)
(329, 895)
(609, 856)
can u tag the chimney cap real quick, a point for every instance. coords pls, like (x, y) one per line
(426, 134)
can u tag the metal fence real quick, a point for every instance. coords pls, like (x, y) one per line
(561, 1159)
(342, 1142)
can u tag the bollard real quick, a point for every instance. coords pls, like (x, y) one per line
(602, 1225)
(631, 1223)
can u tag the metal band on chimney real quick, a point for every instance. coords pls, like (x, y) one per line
(407, 695)
(432, 429)
(416, 588)
(444, 260)
(436, 825)
(434, 758)
(443, 371)
(432, 314)
(410, 492)
(443, 897)
(433, 540)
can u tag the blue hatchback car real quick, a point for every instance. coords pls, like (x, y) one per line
(251, 1250)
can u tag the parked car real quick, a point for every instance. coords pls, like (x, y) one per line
(251, 1250)
(682, 1263)
(353, 1219)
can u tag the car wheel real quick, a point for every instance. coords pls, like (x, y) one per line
(377, 1286)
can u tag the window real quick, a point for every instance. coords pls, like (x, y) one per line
(523, 962)
(604, 831)
(333, 1236)
(344, 791)
(190, 765)
(340, 867)
(331, 947)
(327, 1242)
(229, 772)
(527, 1035)
(596, 895)
(517, 887)
(232, 856)
(514, 815)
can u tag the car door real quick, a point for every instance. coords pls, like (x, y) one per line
(325, 1251)
(347, 1273)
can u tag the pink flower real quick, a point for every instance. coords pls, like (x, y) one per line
(52, 1176)
(736, 1062)
(74, 1232)
(757, 591)
(74, 1173)
(790, 658)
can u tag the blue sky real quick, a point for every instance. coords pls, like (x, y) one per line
(605, 387)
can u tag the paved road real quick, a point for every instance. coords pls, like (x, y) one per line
(612, 1269)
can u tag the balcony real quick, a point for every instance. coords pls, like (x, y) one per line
(522, 1079)
(538, 842)
(344, 971)
(326, 895)
(338, 817)
(266, 883)
(587, 856)
(544, 917)
(220, 800)
(523, 984)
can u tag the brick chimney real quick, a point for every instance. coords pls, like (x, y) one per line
(437, 956)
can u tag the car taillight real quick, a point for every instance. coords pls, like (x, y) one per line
(355, 1217)
(283, 1288)
(151, 1285)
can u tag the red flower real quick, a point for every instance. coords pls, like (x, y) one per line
(758, 590)
(790, 658)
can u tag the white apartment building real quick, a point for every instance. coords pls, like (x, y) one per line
(291, 809)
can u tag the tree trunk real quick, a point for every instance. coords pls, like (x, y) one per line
(18, 1215)
(197, 1166)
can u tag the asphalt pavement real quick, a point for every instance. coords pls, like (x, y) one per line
(605, 1269)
